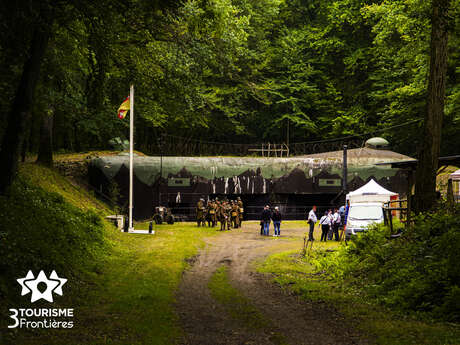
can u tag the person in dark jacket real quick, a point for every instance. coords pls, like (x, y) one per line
(276, 217)
(266, 218)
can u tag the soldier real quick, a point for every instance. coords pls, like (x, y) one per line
(219, 213)
(241, 210)
(228, 215)
(222, 215)
(208, 213)
(235, 217)
(213, 213)
(200, 210)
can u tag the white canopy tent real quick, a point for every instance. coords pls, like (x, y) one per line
(455, 177)
(370, 192)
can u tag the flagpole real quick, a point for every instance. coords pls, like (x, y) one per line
(131, 144)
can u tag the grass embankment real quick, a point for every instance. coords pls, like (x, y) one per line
(299, 275)
(121, 286)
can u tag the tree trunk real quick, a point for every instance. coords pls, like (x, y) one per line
(19, 114)
(25, 142)
(45, 149)
(425, 188)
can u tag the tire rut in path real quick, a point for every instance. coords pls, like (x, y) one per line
(204, 321)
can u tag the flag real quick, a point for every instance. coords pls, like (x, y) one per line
(124, 108)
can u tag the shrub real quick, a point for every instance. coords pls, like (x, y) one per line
(418, 272)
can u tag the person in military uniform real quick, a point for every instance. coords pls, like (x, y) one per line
(235, 217)
(213, 212)
(219, 213)
(200, 212)
(222, 215)
(241, 210)
(228, 214)
(209, 213)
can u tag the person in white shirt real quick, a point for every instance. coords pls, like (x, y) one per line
(331, 221)
(312, 221)
(325, 223)
(336, 220)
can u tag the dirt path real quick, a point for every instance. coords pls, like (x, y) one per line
(205, 321)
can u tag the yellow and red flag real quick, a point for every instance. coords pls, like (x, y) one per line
(124, 108)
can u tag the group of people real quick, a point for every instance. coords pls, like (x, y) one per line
(330, 223)
(266, 218)
(229, 213)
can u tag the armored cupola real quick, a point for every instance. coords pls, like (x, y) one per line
(377, 143)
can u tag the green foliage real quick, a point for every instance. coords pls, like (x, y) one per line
(383, 325)
(417, 272)
(237, 69)
(54, 235)
(119, 144)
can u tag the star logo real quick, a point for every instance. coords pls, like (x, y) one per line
(33, 285)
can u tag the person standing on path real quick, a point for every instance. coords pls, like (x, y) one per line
(208, 216)
(222, 215)
(240, 209)
(235, 218)
(331, 222)
(347, 208)
(200, 210)
(336, 223)
(342, 215)
(312, 221)
(266, 217)
(276, 217)
(325, 223)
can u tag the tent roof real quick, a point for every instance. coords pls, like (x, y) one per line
(455, 175)
(371, 188)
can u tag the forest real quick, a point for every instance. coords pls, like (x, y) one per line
(226, 70)
(215, 77)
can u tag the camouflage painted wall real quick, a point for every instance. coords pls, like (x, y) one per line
(186, 179)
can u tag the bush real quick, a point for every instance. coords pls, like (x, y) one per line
(40, 231)
(418, 272)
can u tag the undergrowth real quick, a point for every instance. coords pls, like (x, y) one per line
(418, 272)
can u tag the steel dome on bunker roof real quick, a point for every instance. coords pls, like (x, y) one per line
(377, 143)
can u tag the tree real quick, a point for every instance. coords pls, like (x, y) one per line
(45, 150)
(425, 188)
(21, 108)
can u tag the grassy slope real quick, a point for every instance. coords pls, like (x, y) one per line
(52, 181)
(295, 273)
(129, 298)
